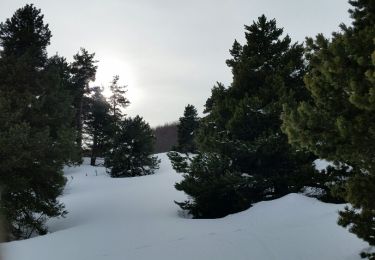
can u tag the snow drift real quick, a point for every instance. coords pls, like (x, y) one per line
(135, 219)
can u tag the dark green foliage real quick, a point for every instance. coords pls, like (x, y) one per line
(213, 186)
(186, 130)
(360, 193)
(217, 95)
(102, 117)
(25, 34)
(329, 184)
(83, 70)
(338, 123)
(36, 137)
(98, 124)
(131, 149)
(243, 126)
(58, 101)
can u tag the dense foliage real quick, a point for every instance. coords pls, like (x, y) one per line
(286, 106)
(186, 130)
(36, 134)
(338, 121)
(131, 149)
(83, 70)
(213, 184)
(47, 108)
(99, 125)
(242, 125)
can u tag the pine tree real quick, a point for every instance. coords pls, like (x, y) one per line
(83, 70)
(216, 188)
(117, 99)
(36, 137)
(98, 124)
(59, 68)
(338, 122)
(188, 125)
(243, 124)
(131, 150)
(25, 34)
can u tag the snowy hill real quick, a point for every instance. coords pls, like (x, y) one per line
(136, 219)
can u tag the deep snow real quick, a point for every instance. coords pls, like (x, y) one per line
(136, 219)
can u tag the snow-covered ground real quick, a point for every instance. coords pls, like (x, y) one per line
(136, 219)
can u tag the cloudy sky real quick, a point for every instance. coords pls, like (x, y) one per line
(170, 52)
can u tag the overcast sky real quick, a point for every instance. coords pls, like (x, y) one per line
(169, 52)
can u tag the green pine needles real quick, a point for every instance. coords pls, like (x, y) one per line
(131, 150)
(243, 157)
(338, 122)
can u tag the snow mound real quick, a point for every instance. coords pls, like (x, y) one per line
(136, 219)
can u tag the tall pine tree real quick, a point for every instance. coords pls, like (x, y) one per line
(243, 126)
(83, 70)
(338, 122)
(98, 124)
(117, 99)
(36, 137)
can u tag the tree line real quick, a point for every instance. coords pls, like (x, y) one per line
(165, 137)
(50, 114)
(288, 104)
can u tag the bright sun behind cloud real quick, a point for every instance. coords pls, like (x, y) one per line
(109, 66)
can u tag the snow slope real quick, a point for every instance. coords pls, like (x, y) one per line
(136, 219)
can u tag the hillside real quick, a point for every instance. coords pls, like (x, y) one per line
(135, 218)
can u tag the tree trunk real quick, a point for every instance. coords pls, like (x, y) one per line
(79, 122)
(94, 150)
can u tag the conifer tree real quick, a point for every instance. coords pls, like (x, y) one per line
(36, 137)
(58, 67)
(83, 70)
(117, 99)
(338, 122)
(243, 125)
(98, 124)
(186, 129)
(131, 149)
(19, 36)
(102, 117)
(211, 181)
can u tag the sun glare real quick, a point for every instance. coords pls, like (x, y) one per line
(109, 66)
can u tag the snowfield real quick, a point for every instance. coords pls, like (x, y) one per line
(136, 219)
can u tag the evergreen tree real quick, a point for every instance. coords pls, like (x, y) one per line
(117, 100)
(102, 118)
(83, 71)
(59, 68)
(186, 130)
(243, 124)
(36, 137)
(214, 187)
(25, 34)
(131, 149)
(98, 124)
(338, 122)
(218, 93)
